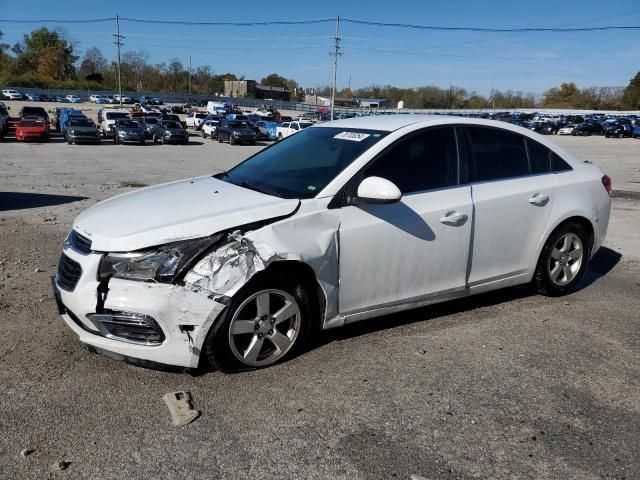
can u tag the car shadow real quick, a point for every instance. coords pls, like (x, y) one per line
(22, 200)
(601, 264)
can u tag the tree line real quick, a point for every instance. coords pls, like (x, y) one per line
(46, 59)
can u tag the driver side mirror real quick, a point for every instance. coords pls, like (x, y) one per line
(378, 190)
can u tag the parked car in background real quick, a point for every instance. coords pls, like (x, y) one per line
(30, 111)
(47, 98)
(61, 99)
(128, 130)
(149, 124)
(618, 130)
(11, 94)
(81, 130)
(170, 131)
(125, 99)
(32, 128)
(100, 99)
(545, 128)
(383, 197)
(4, 120)
(73, 99)
(235, 131)
(108, 118)
(268, 129)
(66, 116)
(32, 97)
(588, 128)
(287, 129)
(566, 130)
(209, 128)
(636, 132)
(194, 119)
(173, 116)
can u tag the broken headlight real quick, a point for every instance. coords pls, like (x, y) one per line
(160, 264)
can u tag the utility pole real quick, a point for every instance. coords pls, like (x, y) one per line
(189, 76)
(119, 43)
(335, 54)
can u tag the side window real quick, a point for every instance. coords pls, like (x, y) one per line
(539, 156)
(498, 153)
(294, 126)
(285, 125)
(425, 160)
(558, 164)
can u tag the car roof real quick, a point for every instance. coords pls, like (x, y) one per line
(390, 123)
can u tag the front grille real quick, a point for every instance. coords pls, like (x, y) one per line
(77, 242)
(69, 272)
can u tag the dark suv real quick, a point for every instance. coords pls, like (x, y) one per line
(170, 131)
(235, 131)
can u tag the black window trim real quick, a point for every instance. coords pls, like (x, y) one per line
(346, 196)
(473, 178)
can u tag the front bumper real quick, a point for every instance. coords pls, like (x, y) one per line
(32, 136)
(183, 316)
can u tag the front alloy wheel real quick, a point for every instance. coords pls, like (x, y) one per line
(266, 322)
(264, 327)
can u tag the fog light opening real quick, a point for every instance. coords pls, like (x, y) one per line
(128, 327)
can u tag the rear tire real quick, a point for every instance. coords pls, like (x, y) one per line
(232, 140)
(258, 324)
(563, 260)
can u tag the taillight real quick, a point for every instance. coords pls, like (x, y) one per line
(606, 182)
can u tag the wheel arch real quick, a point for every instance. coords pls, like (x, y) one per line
(573, 217)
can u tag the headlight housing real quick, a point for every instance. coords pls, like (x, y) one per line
(72, 132)
(161, 264)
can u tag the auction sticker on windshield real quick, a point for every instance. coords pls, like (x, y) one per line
(352, 136)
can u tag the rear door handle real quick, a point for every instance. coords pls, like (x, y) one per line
(454, 218)
(539, 199)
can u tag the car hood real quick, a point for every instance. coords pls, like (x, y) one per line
(246, 131)
(175, 130)
(130, 129)
(175, 211)
(84, 129)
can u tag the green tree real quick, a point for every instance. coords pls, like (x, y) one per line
(46, 52)
(568, 95)
(274, 80)
(631, 95)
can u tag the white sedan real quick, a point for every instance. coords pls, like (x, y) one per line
(73, 99)
(12, 94)
(342, 222)
(568, 130)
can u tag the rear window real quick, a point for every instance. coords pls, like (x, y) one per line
(497, 154)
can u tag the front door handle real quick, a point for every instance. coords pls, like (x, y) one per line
(454, 218)
(539, 199)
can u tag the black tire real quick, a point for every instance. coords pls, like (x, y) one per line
(69, 142)
(204, 134)
(217, 349)
(279, 136)
(232, 140)
(219, 138)
(162, 139)
(155, 139)
(143, 142)
(542, 277)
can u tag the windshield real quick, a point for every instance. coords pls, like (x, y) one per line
(171, 125)
(237, 124)
(31, 122)
(81, 123)
(128, 124)
(113, 115)
(150, 120)
(303, 164)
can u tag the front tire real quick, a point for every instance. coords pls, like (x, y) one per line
(266, 322)
(563, 260)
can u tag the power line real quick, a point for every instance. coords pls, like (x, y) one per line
(492, 30)
(329, 20)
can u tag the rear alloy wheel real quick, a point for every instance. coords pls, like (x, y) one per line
(563, 260)
(262, 325)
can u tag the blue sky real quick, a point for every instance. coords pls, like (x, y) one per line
(530, 62)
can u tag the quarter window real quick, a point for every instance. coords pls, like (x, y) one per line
(543, 160)
(424, 161)
(498, 153)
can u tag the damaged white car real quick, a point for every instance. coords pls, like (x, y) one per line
(342, 222)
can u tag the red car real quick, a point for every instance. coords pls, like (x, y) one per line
(35, 128)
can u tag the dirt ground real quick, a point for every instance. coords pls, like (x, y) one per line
(503, 385)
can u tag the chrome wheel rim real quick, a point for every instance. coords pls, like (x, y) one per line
(264, 327)
(565, 259)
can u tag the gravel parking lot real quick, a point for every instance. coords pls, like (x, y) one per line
(503, 385)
